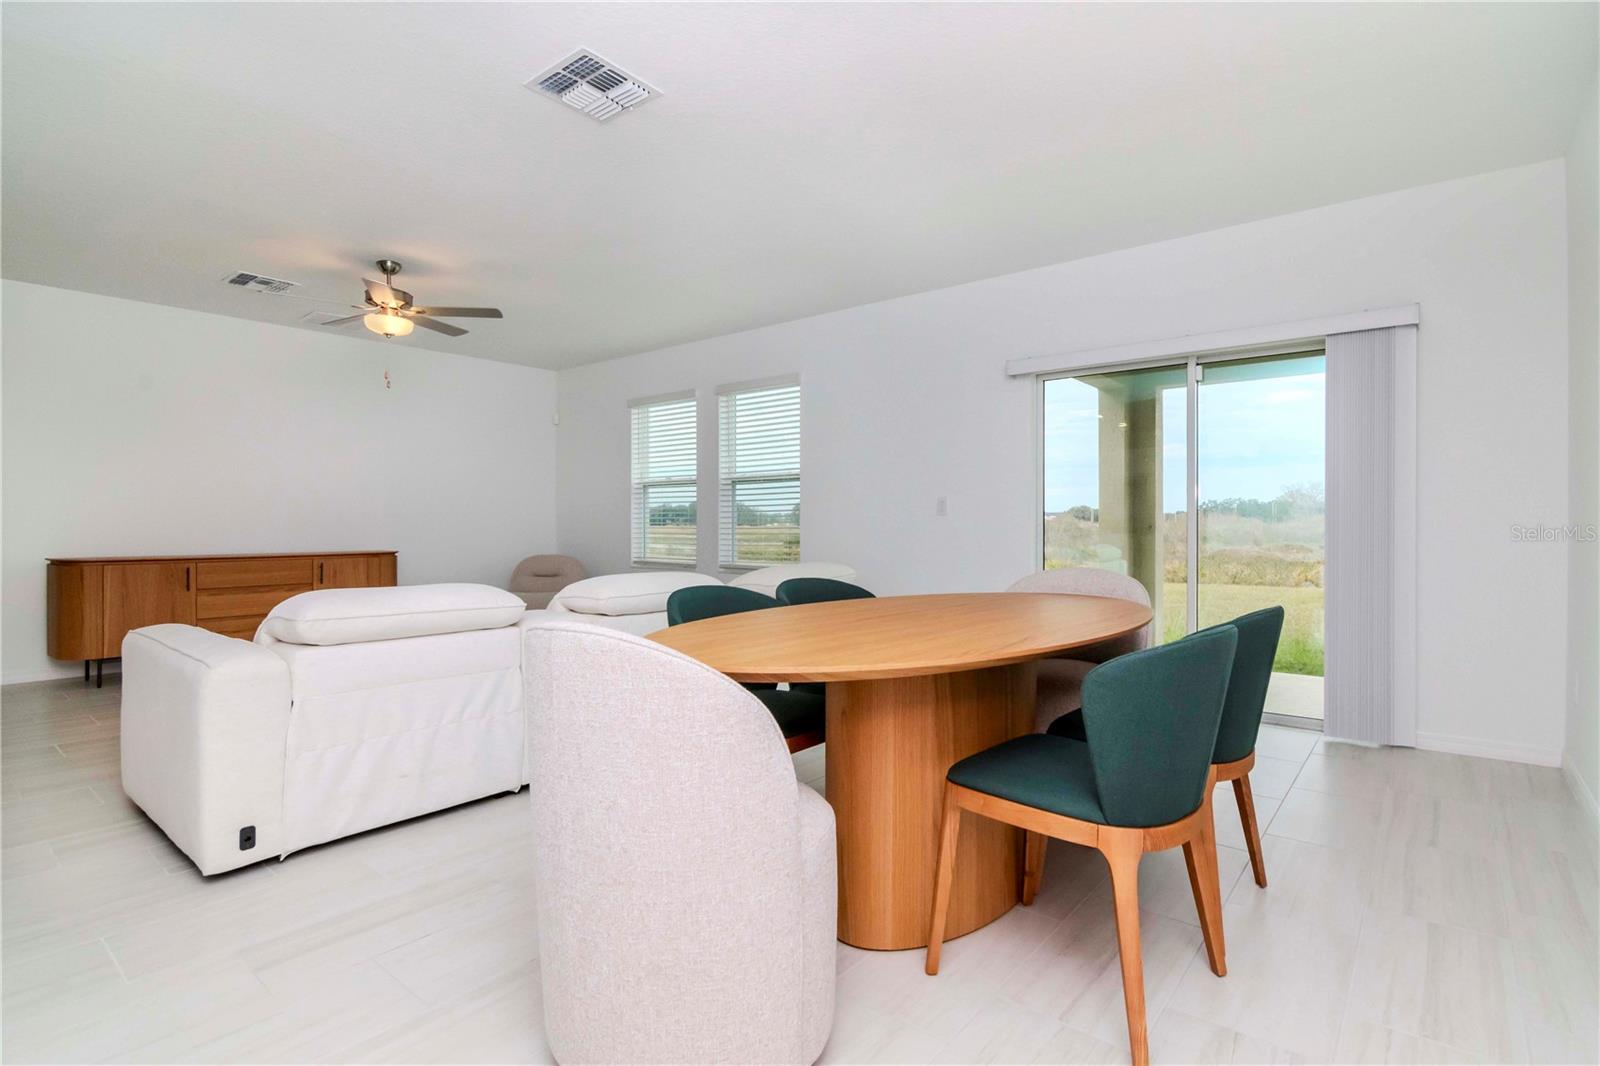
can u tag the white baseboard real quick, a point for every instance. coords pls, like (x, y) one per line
(1581, 792)
(26, 677)
(1488, 749)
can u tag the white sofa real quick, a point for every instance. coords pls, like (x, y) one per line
(637, 602)
(353, 709)
(685, 883)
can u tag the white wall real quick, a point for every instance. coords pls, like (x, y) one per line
(131, 428)
(906, 401)
(1583, 625)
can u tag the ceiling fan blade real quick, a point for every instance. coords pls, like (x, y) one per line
(460, 312)
(380, 293)
(347, 318)
(438, 327)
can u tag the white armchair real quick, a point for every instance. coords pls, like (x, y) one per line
(685, 882)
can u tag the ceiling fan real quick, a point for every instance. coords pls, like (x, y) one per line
(389, 310)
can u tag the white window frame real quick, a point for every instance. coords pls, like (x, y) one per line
(639, 486)
(728, 480)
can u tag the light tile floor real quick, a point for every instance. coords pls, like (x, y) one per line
(1423, 908)
(1295, 695)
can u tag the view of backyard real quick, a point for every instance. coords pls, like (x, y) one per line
(1256, 554)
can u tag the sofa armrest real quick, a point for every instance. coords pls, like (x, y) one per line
(204, 723)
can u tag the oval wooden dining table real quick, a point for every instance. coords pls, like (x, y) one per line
(915, 683)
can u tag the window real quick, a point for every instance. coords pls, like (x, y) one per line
(664, 486)
(759, 497)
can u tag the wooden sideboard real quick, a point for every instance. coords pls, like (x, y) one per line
(92, 603)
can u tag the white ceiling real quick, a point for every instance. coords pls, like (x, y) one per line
(803, 158)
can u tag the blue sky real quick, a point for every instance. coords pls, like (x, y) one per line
(1257, 437)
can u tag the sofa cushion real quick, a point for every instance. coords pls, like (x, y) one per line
(349, 616)
(623, 594)
(768, 578)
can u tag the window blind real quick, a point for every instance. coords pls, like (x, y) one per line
(664, 481)
(1371, 614)
(759, 481)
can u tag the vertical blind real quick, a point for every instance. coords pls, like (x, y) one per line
(1368, 614)
(664, 480)
(759, 482)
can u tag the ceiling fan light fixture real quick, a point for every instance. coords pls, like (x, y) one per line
(388, 311)
(388, 325)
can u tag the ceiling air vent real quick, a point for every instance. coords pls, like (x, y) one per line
(258, 282)
(585, 82)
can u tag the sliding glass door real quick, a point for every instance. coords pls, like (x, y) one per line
(1204, 481)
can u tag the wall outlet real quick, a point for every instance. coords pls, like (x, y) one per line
(940, 507)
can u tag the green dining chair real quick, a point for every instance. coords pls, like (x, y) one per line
(1142, 783)
(800, 714)
(1235, 754)
(799, 590)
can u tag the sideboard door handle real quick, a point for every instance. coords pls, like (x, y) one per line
(319, 573)
(186, 579)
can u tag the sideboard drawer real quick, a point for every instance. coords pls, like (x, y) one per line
(242, 628)
(252, 573)
(242, 603)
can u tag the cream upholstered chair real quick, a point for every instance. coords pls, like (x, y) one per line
(539, 577)
(1061, 680)
(685, 882)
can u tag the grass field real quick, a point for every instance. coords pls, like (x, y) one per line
(756, 544)
(1246, 563)
(1299, 650)
(670, 543)
(767, 544)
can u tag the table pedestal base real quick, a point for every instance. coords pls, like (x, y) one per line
(890, 744)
